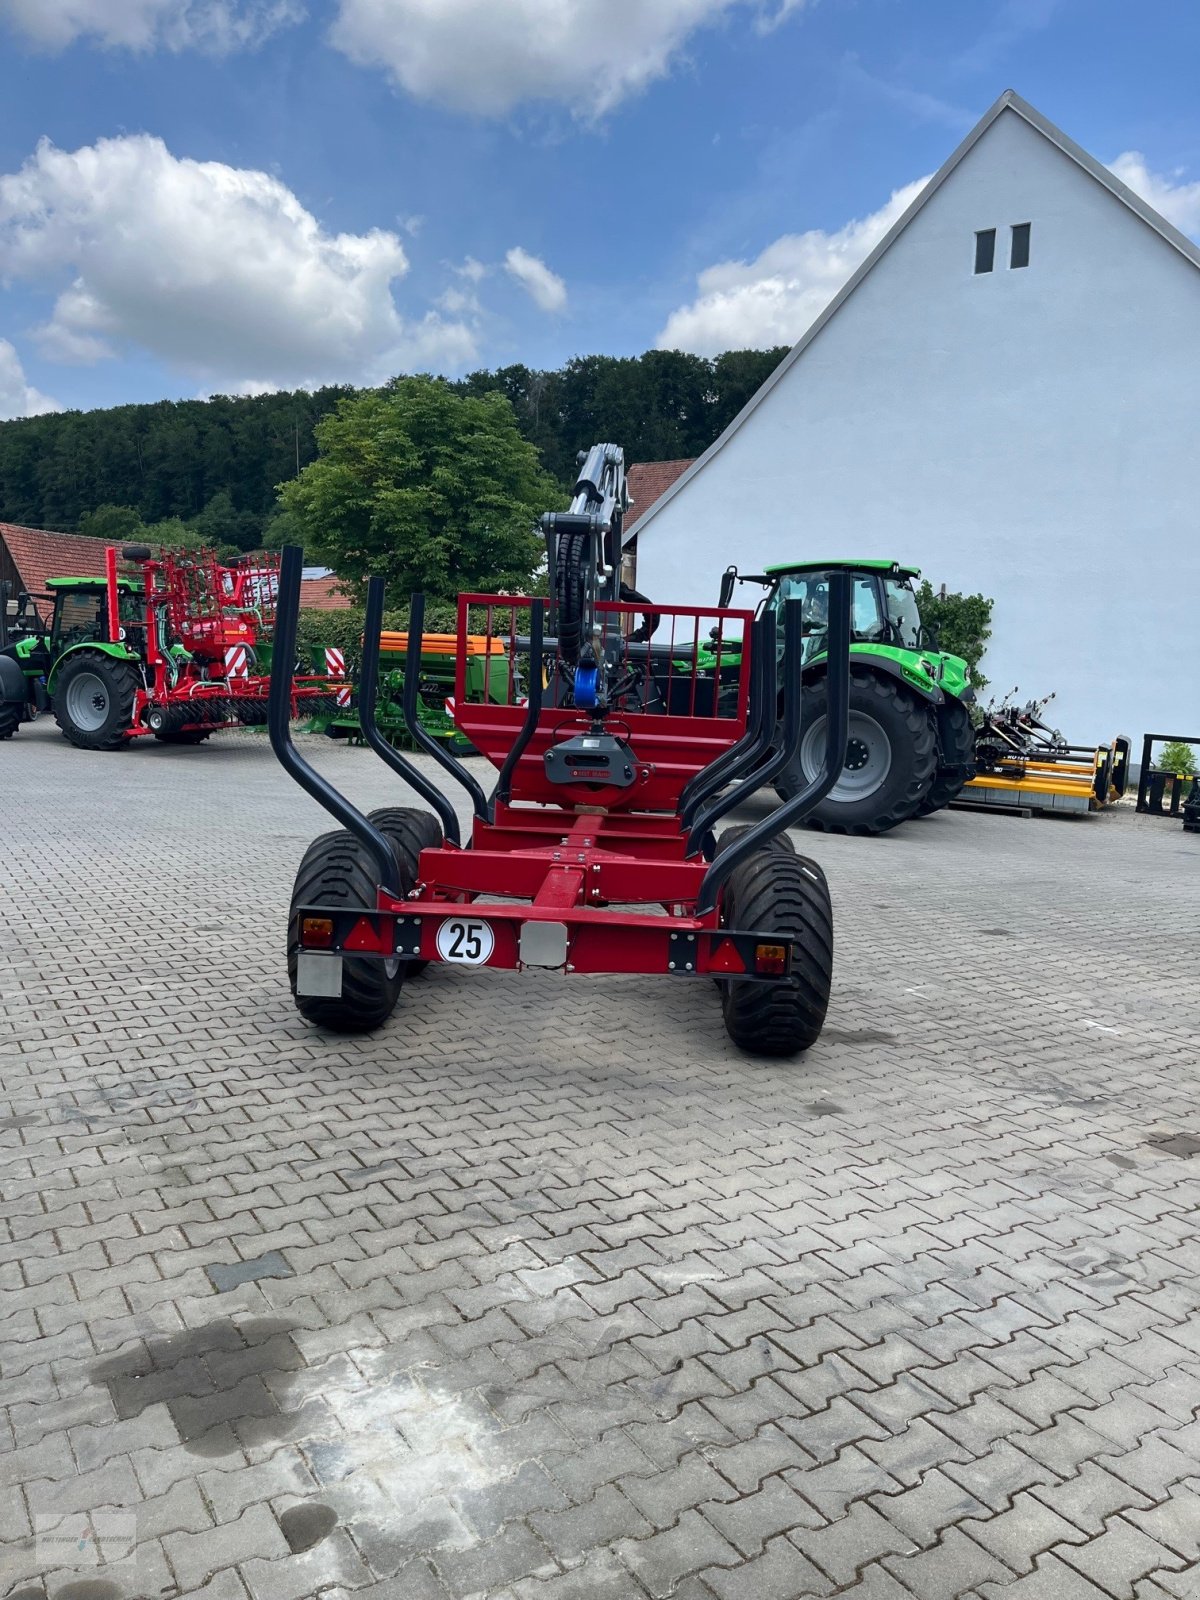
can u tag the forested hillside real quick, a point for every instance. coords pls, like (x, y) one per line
(220, 460)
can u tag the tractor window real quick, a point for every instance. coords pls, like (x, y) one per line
(867, 618)
(78, 616)
(812, 590)
(903, 615)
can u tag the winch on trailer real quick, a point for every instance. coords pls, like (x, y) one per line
(596, 851)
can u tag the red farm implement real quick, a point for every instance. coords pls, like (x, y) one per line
(617, 755)
(176, 645)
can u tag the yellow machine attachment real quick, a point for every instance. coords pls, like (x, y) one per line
(1079, 779)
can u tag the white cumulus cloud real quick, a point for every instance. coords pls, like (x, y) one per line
(545, 288)
(1178, 202)
(219, 271)
(771, 300)
(218, 26)
(19, 398)
(487, 56)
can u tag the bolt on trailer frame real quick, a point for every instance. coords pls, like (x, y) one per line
(595, 850)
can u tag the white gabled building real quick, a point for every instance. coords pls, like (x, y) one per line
(1028, 431)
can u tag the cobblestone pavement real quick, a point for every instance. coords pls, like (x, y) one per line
(544, 1291)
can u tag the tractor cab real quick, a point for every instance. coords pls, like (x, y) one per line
(884, 605)
(81, 611)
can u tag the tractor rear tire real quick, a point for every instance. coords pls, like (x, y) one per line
(956, 757)
(93, 700)
(408, 831)
(337, 871)
(12, 713)
(891, 756)
(776, 892)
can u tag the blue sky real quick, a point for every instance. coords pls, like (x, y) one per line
(205, 196)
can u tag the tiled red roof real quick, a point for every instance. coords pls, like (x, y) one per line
(323, 594)
(38, 554)
(647, 481)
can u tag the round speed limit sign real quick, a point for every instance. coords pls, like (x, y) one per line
(468, 941)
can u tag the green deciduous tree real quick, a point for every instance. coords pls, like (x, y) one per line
(962, 623)
(425, 487)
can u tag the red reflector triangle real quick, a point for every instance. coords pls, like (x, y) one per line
(725, 958)
(362, 936)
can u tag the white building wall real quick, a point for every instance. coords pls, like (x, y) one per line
(1031, 434)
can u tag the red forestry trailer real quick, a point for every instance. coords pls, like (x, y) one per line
(617, 755)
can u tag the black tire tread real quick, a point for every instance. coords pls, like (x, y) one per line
(775, 892)
(336, 871)
(730, 836)
(956, 763)
(11, 713)
(409, 831)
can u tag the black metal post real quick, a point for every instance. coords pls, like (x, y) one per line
(279, 716)
(837, 723)
(752, 746)
(368, 690)
(761, 771)
(503, 789)
(412, 683)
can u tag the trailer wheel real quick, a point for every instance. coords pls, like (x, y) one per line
(409, 831)
(93, 700)
(891, 754)
(956, 752)
(731, 836)
(336, 871)
(776, 892)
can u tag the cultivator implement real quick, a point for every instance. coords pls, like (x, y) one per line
(596, 850)
(176, 646)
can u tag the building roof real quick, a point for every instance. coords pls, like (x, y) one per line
(323, 594)
(649, 480)
(1010, 100)
(39, 555)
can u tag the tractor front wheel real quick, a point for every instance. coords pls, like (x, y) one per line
(956, 757)
(93, 700)
(336, 871)
(408, 831)
(774, 891)
(891, 753)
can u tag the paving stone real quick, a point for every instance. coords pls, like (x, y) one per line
(661, 1560)
(781, 1572)
(1022, 1533)
(948, 1569)
(1050, 1580)
(1119, 1557)
(194, 1556)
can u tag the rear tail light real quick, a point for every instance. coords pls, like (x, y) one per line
(316, 933)
(771, 959)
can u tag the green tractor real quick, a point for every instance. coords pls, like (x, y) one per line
(911, 743)
(24, 658)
